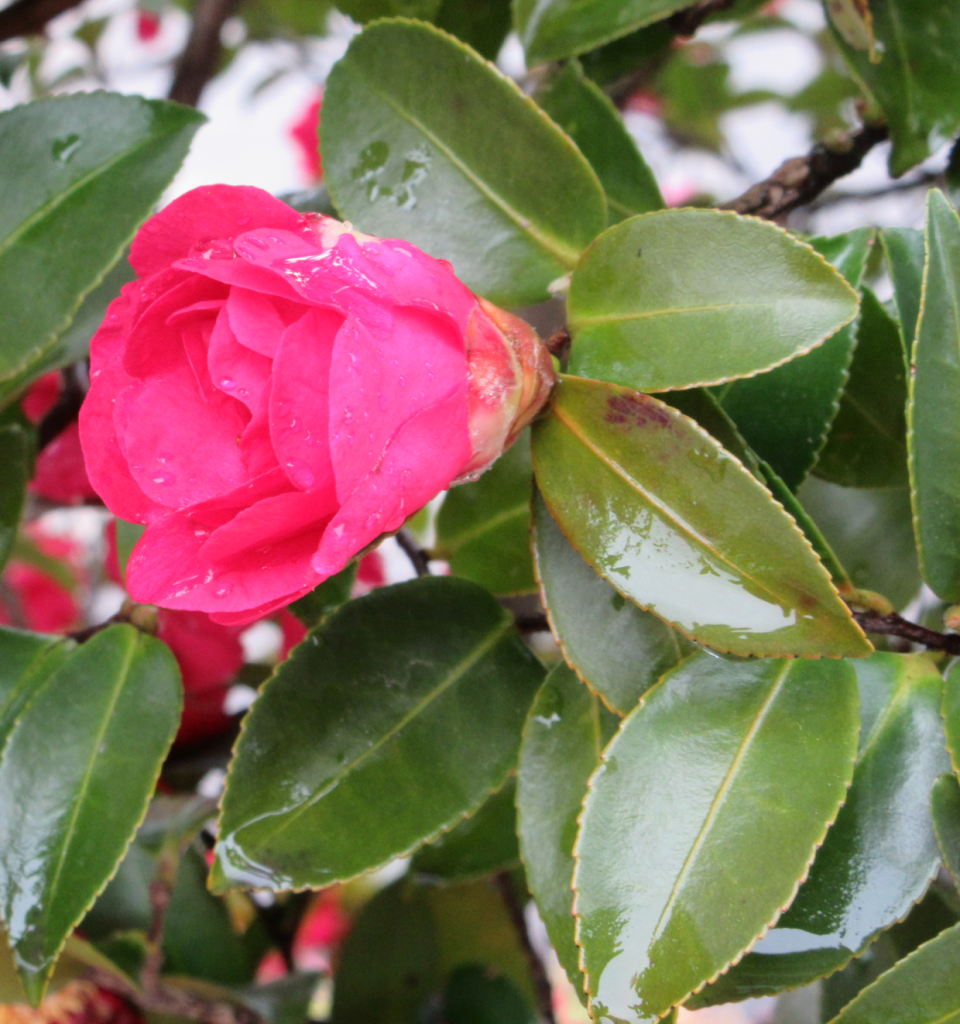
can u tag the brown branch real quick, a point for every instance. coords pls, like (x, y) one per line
(419, 559)
(65, 410)
(687, 21)
(926, 180)
(532, 623)
(559, 344)
(801, 179)
(198, 62)
(541, 982)
(896, 625)
(29, 17)
(142, 616)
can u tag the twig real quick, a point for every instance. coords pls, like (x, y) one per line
(835, 198)
(541, 982)
(419, 558)
(801, 179)
(142, 616)
(177, 1002)
(558, 344)
(161, 892)
(65, 409)
(687, 21)
(28, 17)
(198, 62)
(896, 625)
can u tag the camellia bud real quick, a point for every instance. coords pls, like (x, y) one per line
(511, 375)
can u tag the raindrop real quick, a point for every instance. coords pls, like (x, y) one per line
(223, 589)
(64, 149)
(165, 479)
(301, 474)
(226, 384)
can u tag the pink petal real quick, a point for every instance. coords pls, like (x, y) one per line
(239, 274)
(208, 653)
(60, 474)
(205, 214)
(106, 464)
(256, 448)
(236, 370)
(269, 522)
(300, 398)
(181, 447)
(211, 515)
(167, 568)
(258, 320)
(153, 344)
(426, 456)
(379, 380)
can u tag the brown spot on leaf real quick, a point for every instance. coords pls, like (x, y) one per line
(639, 410)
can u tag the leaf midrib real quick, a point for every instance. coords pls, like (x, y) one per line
(646, 314)
(564, 254)
(62, 197)
(664, 510)
(719, 799)
(452, 677)
(456, 542)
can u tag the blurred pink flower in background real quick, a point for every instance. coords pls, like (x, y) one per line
(305, 132)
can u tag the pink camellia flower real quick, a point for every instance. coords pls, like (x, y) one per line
(33, 597)
(276, 391)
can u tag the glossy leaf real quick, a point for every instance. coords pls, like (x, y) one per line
(399, 715)
(17, 445)
(880, 854)
(591, 120)
(482, 24)
(933, 414)
(559, 28)
(951, 714)
(922, 989)
(646, 295)
(479, 845)
(867, 445)
(680, 527)
(785, 414)
(75, 779)
(368, 10)
(566, 730)
(483, 529)
(916, 82)
(945, 806)
(905, 251)
(618, 649)
(724, 780)
(871, 532)
(27, 660)
(424, 140)
(80, 174)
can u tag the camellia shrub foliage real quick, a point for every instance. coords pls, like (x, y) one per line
(717, 477)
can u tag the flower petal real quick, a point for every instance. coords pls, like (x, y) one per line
(258, 320)
(202, 215)
(236, 370)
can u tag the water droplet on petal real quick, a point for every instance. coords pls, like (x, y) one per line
(164, 479)
(372, 520)
(226, 384)
(64, 149)
(223, 589)
(301, 474)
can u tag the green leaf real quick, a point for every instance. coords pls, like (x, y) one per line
(871, 532)
(592, 121)
(333, 592)
(482, 24)
(368, 10)
(397, 716)
(951, 714)
(945, 807)
(127, 536)
(724, 781)
(880, 854)
(906, 254)
(933, 413)
(785, 414)
(424, 140)
(475, 995)
(678, 525)
(479, 845)
(27, 660)
(483, 529)
(558, 28)
(618, 649)
(922, 989)
(916, 83)
(75, 780)
(679, 298)
(17, 448)
(867, 445)
(390, 962)
(285, 1001)
(566, 730)
(80, 174)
